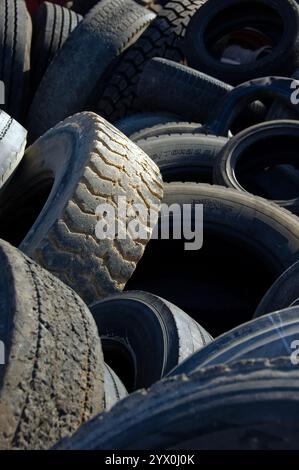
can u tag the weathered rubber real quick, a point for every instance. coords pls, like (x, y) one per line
(114, 388)
(52, 380)
(70, 80)
(12, 146)
(92, 163)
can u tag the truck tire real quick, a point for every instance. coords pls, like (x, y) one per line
(250, 405)
(52, 379)
(110, 28)
(15, 43)
(243, 244)
(50, 206)
(52, 24)
(144, 336)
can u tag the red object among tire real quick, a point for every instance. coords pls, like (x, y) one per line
(32, 5)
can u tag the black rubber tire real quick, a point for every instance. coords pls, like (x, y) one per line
(49, 207)
(114, 388)
(255, 149)
(284, 292)
(109, 28)
(275, 88)
(15, 42)
(185, 157)
(136, 122)
(163, 38)
(250, 405)
(192, 94)
(268, 337)
(144, 336)
(83, 6)
(12, 146)
(167, 129)
(219, 17)
(247, 243)
(52, 380)
(52, 24)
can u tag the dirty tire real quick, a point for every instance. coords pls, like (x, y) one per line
(144, 336)
(192, 95)
(15, 42)
(12, 146)
(52, 380)
(110, 27)
(245, 163)
(184, 157)
(167, 129)
(52, 25)
(89, 163)
(284, 292)
(268, 337)
(163, 38)
(218, 18)
(114, 388)
(255, 240)
(248, 405)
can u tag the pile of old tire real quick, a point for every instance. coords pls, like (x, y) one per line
(179, 342)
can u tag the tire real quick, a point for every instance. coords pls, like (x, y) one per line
(135, 123)
(247, 243)
(110, 28)
(144, 337)
(50, 207)
(218, 18)
(192, 95)
(114, 388)
(163, 38)
(83, 6)
(284, 293)
(275, 88)
(15, 42)
(12, 146)
(167, 129)
(52, 24)
(250, 405)
(52, 380)
(245, 161)
(185, 157)
(268, 337)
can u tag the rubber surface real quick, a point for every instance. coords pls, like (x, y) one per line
(109, 28)
(51, 208)
(114, 388)
(52, 380)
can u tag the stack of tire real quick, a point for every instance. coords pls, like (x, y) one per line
(136, 343)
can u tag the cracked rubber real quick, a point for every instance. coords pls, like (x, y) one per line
(144, 336)
(15, 42)
(52, 380)
(12, 146)
(268, 337)
(114, 388)
(70, 80)
(248, 405)
(163, 38)
(52, 25)
(82, 162)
